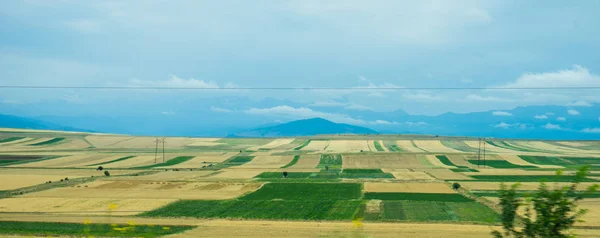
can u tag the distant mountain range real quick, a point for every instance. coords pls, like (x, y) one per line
(9, 121)
(307, 127)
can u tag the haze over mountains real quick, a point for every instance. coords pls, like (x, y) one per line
(535, 122)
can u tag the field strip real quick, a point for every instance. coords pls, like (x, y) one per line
(273, 144)
(380, 160)
(407, 187)
(25, 180)
(445, 174)
(86, 206)
(137, 189)
(267, 162)
(436, 162)
(490, 148)
(307, 161)
(407, 145)
(137, 161)
(205, 159)
(383, 146)
(350, 146)
(411, 176)
(523, 185)
(53, 162)
(14, 142)
(515, 159)
(103, 141)
(317, 145)
(239, 173)
(435, 146)
(572, 143)
(460, 160)
(170, 175)
(509, 172)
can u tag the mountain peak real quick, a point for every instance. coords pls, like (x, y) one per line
(306, 127)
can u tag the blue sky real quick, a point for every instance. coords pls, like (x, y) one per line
(297, 43)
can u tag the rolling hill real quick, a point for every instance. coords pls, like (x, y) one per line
(306, 127)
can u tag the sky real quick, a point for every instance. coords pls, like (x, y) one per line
(296, 43)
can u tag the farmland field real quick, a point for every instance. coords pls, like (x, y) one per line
(208, 187)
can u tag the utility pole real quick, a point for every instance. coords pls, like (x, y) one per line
(163, 143)
(156, 149)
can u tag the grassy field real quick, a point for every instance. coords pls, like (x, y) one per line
(438, 211)
(437, 197)
(378, 146)
(9, 139)
(391, 145)
(51, 229)
(331, 161)
(171, 162)
(500, 164)
(49, 142)
(261, 209)
(306, 191)
(293, 162)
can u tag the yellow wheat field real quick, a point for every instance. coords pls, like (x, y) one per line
(84, 206)
(445, 174)
(273, 144)
(307, 162)
(408, 146)
(349, 146)
(392, 161)
(316, 145)
(434, 146)
(405, 174)
(408, 187)
(57, 162)
(436, 162)
(205, 159)
(515, 159)
(150, 190)
(238, 173)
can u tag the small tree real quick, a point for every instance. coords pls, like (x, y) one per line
(67, 179)
(285, 174)
(456, 186)
(548, 213)
(326, 168)
(106, 173)
(100, 168)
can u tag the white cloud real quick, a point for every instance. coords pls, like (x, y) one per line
(591, 130)
(502, 125)
(177, 82)
(573, 112)
(579, 103)
(561, 119)
(577, 76)
(551, 126)
(303, 113)
(420, 123)
(218, 109)
(383, 122)
(357, 107)
(540, 117)
(328, 103)
(167, 113)
(501, 113)
(477, 98)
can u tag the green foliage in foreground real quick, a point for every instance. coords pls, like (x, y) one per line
(528, 178)
(424, 211)
(174, 161)
(261, 209)
(306, 191)
(303, 145)
(293, 162)
(49, 142)
(113, 161)
(378, 146)
(548, 213)
(439, 197)
(78, 229)
(9, 139)
(500, 164)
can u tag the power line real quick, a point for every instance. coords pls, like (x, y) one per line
(296, 88)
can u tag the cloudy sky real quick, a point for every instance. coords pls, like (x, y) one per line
(297, 43)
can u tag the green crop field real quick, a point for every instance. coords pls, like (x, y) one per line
(50, 229)
(439, 197)
(500, 164)
(332, 161)
(303, 145)
(423, 211)
(113, 161)
(391, 145)
(545, 160)
(378, 146)
(293, 162)
(365, 173)
(306, 191)
(261, 209)
(528, 178)
(496, 193)
(291, 175)
(464, 170)
(171, 162)
(9, 139)
(48, 142)
(241, 159)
